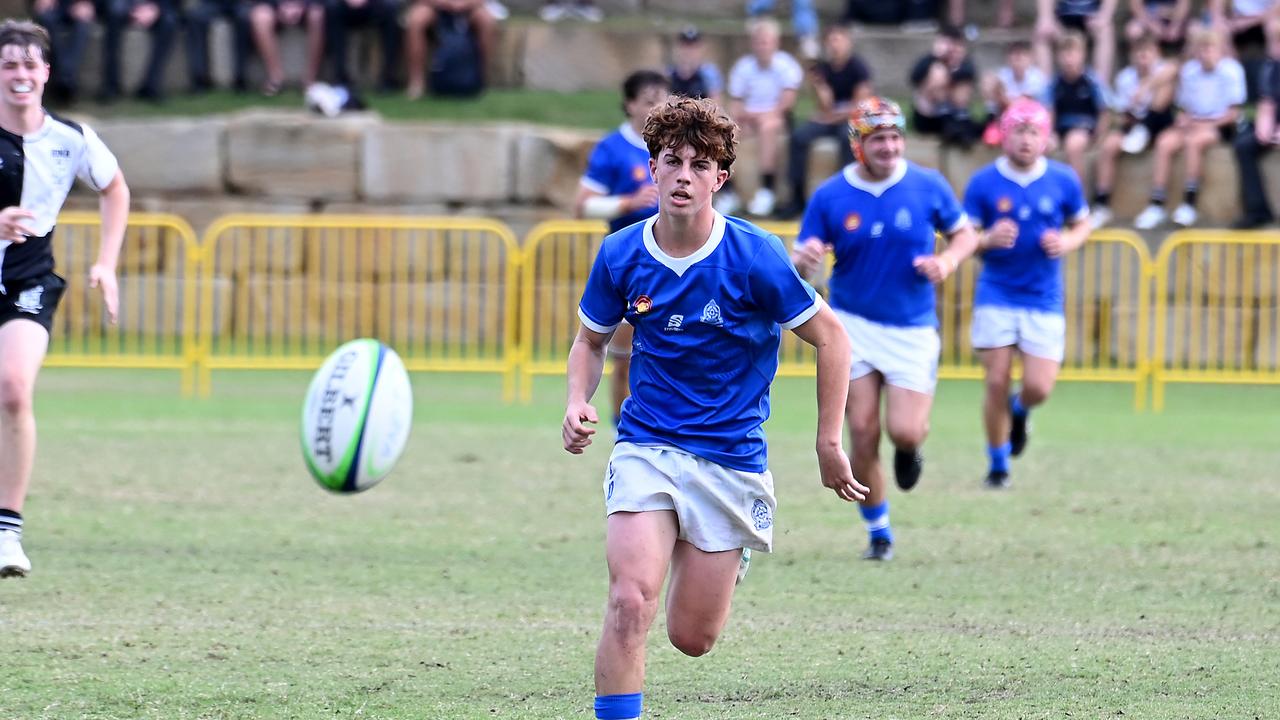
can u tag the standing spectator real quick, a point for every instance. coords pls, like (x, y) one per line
(199, 18)
(1259, 139)
(943, 84)
(424, 16)
(1165, 20)
(838, 82)
(1211, 89)
(343, 16)
(1078, 102)
(160, 19)
(69, 23)
(579, 9)
(1143, 103)
(1018, 78)
(1092, 17)
(690, 73)
(804, 22)
(1245, 20)
(268, 16)
(762, 88)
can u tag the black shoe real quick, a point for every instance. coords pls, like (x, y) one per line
(879, 549)
(997, 480)
(149, 94)
(907, 465)
(1018, 431)
(1252, 222)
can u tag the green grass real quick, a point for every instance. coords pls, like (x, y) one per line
(186, 567)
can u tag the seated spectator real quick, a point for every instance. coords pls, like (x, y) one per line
(199, 18)
(1245, 22)
(1077, 101)
(690, 73)
(913, 15)
(1092, 17)
(456, 19)
(69, 23)
(804, 23)
(343, 16)
(1018, 78)
(957, 18)
(1260, 138)
(1165, 20)
(943, 88)
(160, 19)
(838, 81)
(575, 9)
(762, 91)
(1143, 103)
(1211, 88)
(266, 17)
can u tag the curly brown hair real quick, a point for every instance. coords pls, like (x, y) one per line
(699, 124)
(24, 34)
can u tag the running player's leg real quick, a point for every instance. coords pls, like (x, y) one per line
(1038, 378)
(23, 344)
(1042, 342)
(862, 414)
(620, 376)
(998, 365)
(907, 422)
(699, 596)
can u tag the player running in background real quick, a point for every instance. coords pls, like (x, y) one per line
(879, 217)
(1033, 212)
(617, 187)
(688, 486)
(40, 157)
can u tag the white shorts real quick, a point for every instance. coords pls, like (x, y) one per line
(906, 356)
(718, 508)
(1034, 332)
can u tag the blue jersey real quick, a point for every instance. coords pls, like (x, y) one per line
(876, 231)
(619, 165)
(707, 329)
(1047, 197)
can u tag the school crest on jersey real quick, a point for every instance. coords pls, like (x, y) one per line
(1004, 205)
(902, 220)
(711, 314)
(29, 300)
(642, 304)
(852, 222)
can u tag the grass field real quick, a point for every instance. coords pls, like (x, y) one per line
(186, 567)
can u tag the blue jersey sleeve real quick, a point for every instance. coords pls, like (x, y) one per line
(1074, 207)
(975, 205)
(814, 222)
(603, 303)
(948, 216)
(778, 289)
(602, 171)
(711, 74)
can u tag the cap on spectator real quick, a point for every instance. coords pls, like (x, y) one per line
(690, 34)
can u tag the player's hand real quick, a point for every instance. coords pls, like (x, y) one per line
(1052, 243)
(807, 256)
(103, 277)
(13, 226)
(574, 432)
(934, 267)
(645, 197)
(833, 464)
(1003, 234)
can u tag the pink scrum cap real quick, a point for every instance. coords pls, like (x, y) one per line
(1024, 111)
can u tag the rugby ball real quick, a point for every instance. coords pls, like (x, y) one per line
(356, 417)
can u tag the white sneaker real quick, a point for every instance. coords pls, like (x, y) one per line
(1099, 217)
(744, 565)
(1135, 141)
(727, 203)
(13, 562)
(553, 12)
(1149, 218)
(762, 203)
(1184, 215)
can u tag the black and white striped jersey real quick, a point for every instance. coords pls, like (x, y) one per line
(36, 173)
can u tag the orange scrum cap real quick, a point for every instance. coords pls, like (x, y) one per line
(870, 115)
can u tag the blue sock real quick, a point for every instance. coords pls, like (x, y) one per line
(1016, 407)
(619, 707)
(877, 519)
(1000, 457)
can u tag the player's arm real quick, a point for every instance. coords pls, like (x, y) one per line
(961, 243)
(586, 367)
(824, 332)
(591, 203)
(113, 204)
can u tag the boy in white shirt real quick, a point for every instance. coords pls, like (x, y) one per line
(1019, 77)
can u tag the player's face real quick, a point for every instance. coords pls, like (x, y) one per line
(648, 98)
(1025, 144)
(685, 181)
(23, 74)
(881, 151)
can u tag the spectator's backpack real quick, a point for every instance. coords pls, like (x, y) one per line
(455, 65)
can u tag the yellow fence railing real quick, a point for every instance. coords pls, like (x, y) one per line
(1217, 311)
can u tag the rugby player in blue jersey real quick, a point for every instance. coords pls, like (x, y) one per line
(687, 487)
(1033, 212)
(880, 216)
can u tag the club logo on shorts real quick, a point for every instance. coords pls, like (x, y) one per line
(760, 515)
(642, 304)
(852, 222)
(29, 300)
(711, 314)
(1004, 205)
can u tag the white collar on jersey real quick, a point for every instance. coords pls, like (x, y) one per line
(46, 123)
(680, 265)
(630, 135)
(1005, 168)
(879, 187)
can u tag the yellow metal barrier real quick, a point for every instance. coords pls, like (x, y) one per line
(157, 272)
(1217, 309)
(281, 291)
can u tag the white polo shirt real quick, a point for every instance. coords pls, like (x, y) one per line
(760, 88)
(1208, 94)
